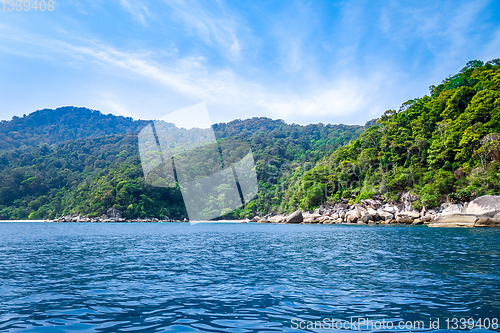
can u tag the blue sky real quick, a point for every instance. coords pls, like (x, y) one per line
(301, 61)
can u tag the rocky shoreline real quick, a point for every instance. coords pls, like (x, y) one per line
(112, 215)
(78, 218)
(481, 212)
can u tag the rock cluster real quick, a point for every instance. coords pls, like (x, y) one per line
(366, 212)
(481, 212)
(112, 215)
(105, 218)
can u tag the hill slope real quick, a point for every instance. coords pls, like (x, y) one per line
(91, 174)
(439, 147)
(61, 125)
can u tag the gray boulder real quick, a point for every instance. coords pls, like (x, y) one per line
(352, 216)
(277, 219)
(451, 209)
(404, 219)
(427, 218)
(366, 218)
(362, 210)
(488, 205)
(487, 222)
(373, 213)
(407, 216)
(374, 204)
(389, 208)
(454, 220)
(418, 222)
(113, 213)
(385, 215)
(310, 218)
(324, 219)
(340, 206)
(413, 214)
(295, 217)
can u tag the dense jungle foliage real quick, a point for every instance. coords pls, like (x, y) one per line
(442, 147)
(79, 161)
(61, 125)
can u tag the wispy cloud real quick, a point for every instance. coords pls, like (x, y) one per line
(195, 79)
(225, 88)
(213, 25)
(287, 60)
(443, 28)
(114, 104)
(492, 49)
(137, 9)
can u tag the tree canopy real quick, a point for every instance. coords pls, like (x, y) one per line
(442, 147)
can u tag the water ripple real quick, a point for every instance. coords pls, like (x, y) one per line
(239, 278)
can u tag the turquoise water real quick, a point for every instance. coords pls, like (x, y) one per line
(162, 277)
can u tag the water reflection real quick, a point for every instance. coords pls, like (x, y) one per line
(239, 278)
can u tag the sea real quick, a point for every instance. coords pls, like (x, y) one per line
(178, 277)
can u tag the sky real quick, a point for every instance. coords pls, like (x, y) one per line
(300, 61)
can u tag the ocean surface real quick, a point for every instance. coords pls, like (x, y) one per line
(167, 277)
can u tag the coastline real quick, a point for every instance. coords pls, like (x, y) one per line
(480, 212)
(22, 221)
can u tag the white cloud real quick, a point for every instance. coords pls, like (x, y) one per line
(214, 26)
(224, 88)
(113, 104)
(354, 78)
(194, 116)
(194, 79)
(492, 49)
(137, 9)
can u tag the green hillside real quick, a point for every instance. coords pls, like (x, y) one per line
(76, 160)
(61, 125)
(442, 147)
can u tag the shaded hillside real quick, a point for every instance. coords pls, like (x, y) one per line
(61, 125)
(439, 147)
(87, 176)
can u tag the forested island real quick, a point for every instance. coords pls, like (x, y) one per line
(442, 147)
